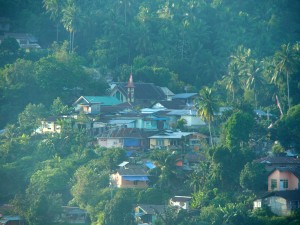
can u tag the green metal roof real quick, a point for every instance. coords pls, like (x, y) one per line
(104, 100)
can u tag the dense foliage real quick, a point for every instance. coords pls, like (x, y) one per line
(242, 54)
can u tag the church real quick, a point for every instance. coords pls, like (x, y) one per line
(139, 93)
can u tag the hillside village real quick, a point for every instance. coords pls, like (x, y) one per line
(142, 118)
(149, 112)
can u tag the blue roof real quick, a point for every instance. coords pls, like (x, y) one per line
(150, 165)
(135, 178)
(129, 153)
(104, 100)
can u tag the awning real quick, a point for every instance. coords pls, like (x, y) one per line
(136, 178)
(150, 165)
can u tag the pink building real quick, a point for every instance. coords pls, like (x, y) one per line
(284, 178)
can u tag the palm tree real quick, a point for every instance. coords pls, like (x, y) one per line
(285, 60)
(236, 69)
(206, 105)
(232, 80)
(53, 7)
(254, 79)
(71, 19)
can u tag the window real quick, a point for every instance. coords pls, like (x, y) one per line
(160, 142)
(135, 182)
(273, 184)
(284, 184)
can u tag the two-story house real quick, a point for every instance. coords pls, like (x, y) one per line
(92, 104)
(127, 138)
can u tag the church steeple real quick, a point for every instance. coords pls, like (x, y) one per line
(130, 89)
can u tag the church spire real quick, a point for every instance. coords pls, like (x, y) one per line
(130, 89)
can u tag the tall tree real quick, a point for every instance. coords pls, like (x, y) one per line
(71, 19)
(237, 129)
(285, 60)
(53, 7)
(207, 106)
(254, 79)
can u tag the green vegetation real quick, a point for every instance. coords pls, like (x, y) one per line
(241, 54)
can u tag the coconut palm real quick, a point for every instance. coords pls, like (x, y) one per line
(285, 60)
(254, 78)
(53, 7)
(232, 80)
(71, 19)
(206, 105)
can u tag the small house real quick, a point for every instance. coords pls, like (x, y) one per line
(92, 104)
(169, 140)
(130, 176)
(281, 203)
(147, 214)
(181, 201)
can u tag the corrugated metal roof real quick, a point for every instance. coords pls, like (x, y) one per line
(104, 100)
(124, 121)
(184, 95)
(172, 135)
(135, 178)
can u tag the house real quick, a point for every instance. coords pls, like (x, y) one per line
(169, 140)
(130, 176)
(73, 215)
(169, 94)
(272, 162)
(284, 178)
(192, 159)
(124, 107)
(187, 98)
(11, 220)
(173, 104)
(25, 40)
(190, 116)
(127, 138)
(261, 114)
(181, 201)
(49, 125)
(92, 104)
(153, 122)
(281, 203)
(146, 214)
(197, 142)
(139, 92)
